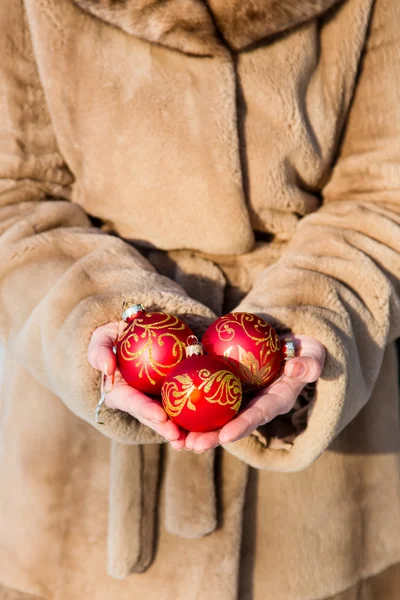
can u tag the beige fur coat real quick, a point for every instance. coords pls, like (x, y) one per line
(199, 156)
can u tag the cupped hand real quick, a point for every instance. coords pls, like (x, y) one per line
(277, 399)
(122, 396)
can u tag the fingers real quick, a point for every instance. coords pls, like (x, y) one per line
(280, 397)
(146, 410)
(168, 430)
(308, 365)
(136, 403)
(304, 369)
(253, 416)
(309, 361)
(277, 399)
(179, 444)
(100, 351)
(200, 442)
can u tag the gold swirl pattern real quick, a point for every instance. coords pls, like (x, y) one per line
(264, 333)
(252, 370)
(175, 398)
(227, 391)
(150, 332)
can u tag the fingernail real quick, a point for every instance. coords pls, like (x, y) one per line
(158, 421)
(198, 451)
(224, 442)
(105, 369)
(295, 370)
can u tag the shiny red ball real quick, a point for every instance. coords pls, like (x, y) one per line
(202, 393)
(250, 344)
(151, 345)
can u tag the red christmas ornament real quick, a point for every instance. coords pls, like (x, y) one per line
(149, 347)
(202, 393)
(250, 344)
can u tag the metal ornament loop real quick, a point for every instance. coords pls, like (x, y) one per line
(130, 310)
(194, 347)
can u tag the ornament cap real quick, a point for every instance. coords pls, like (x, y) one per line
(129, 310)
(289, 349)
(193, 348)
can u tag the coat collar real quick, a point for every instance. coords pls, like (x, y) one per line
(205, 27)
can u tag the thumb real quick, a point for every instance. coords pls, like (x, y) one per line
(308, 365)
(305, 368)
(100, 352)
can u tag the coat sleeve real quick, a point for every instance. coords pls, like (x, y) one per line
(60, 277)
(338, 281)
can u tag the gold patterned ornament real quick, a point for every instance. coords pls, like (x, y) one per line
(250, 344)
(202, 393)
(151, 344)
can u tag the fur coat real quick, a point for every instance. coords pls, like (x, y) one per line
(199, 157)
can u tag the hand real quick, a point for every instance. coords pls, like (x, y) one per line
(124, 397)
(277, 399)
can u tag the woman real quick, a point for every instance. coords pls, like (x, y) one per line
(199, 158)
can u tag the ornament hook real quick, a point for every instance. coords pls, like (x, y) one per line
(103, 393)
(98, 409)
(194, 347)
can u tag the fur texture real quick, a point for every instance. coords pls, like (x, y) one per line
(132, 508)
(183, 160)
(196, 26)
(243, 23)
(190, 503)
